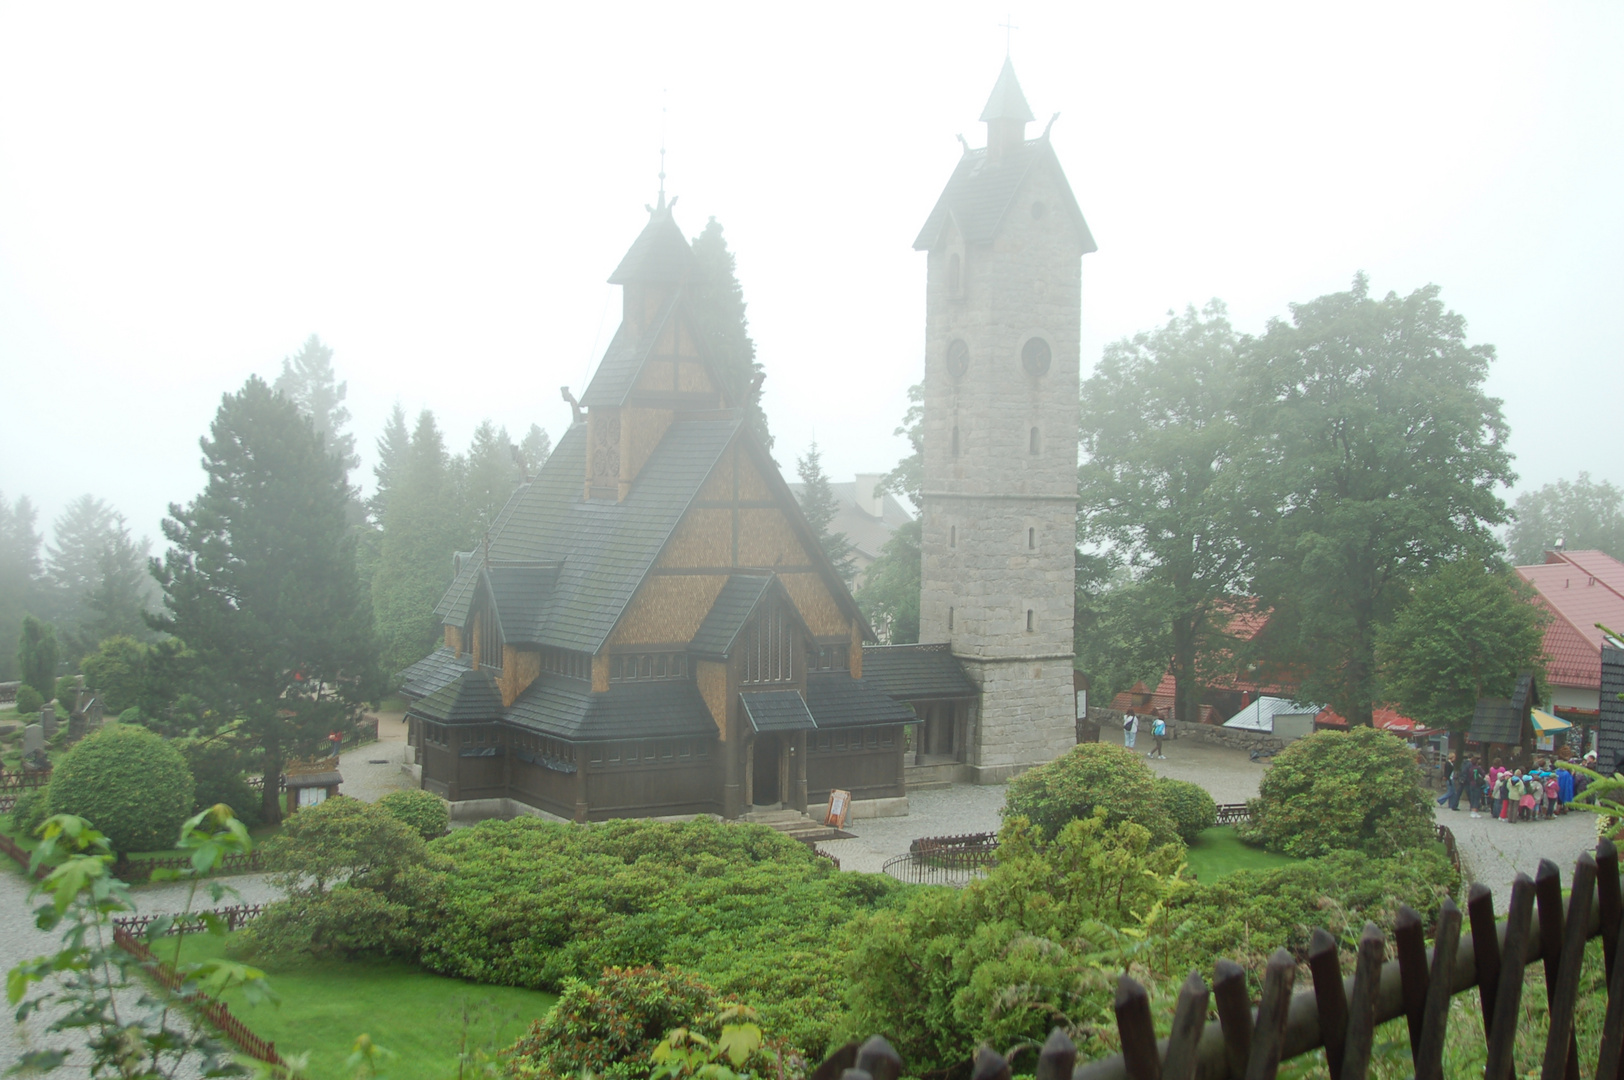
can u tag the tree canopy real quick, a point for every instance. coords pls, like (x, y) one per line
(260, 581)
(1467, 630)
(96, 579)
(1381, 456)
(1165, 445)
(1581, 514)
(718, 307)
(308, 381)
(820, 506)
(19, 573)
(889, 593)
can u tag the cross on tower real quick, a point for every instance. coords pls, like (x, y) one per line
(1009, 28)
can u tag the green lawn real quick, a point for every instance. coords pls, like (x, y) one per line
(424, 1019)
(1218, 851)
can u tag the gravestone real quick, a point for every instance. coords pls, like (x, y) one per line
(47, 720)
(33, 740)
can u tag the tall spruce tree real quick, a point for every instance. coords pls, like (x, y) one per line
(37, 656)
(718, 307)
(1380, 455)
(534, 450)
(96, 577)
(260, 581)
(488, 475)
(19, 573)
(818, 503)
(308, 381)
(423, 525)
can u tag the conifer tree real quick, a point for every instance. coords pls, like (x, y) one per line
(36, 656)
(534, 451)
(96, 577)
(889, 595)
(489, 474)
(718, 306)
(393, 446)
(819, 505)
(260, 582)
(19, 573)
(307, 380)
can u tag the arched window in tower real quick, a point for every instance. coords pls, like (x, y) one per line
(1036, 356)
(1032, 442)
(958, 358)
(955, 280)
(955, 440)
(950, 620)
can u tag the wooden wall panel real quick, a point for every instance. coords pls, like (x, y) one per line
(641, 432)
(703, 539)
(600, 674)
(766, 539)
(519, 669)
(549, 789)
(752, 485)
(812, 599)
(719, 488)
(665, 609)
(673, 788)
(453, 638)
(659, 376)
(693, 378)
(712, 679)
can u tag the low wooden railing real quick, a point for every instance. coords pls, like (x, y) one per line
(945, 860)
(235, 917)
(1235, 813)
(136, 871)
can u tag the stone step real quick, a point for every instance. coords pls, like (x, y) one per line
(796, 825)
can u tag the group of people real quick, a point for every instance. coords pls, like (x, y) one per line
(1158, 731)
(1536, 793)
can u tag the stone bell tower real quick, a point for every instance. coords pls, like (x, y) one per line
(1003, 307)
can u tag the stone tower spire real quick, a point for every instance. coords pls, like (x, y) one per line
(1003, 313)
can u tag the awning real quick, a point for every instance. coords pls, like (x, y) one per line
(777, 710)
(1544, 722)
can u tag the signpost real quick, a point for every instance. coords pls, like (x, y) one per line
(839, 807)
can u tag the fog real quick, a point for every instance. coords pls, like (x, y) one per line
(187, 192)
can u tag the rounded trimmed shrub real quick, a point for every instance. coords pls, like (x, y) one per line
(424, 811)
(28, 813)
(129, 783)
(1092, 776)
(28, 699)
(67, 693)
(1342, 791)
(1192, 809)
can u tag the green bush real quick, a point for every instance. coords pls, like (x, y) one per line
(1342, 791)
(1248, 914)
(129, 783)
(115, 671)
(608, 1028)
(67, 693)
(746, 909)
(1032, 945)
(1192, 809)
(132, 715)
(421, 810)
(1093, 776)
(219, 770)
(28, 813)
(28, 699)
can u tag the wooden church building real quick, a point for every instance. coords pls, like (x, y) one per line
(651, 627)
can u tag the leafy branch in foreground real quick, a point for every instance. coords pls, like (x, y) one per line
(93, 990)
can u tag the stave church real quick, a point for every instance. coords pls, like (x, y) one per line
(650, 627)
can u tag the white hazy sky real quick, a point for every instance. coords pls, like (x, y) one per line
(188, 191)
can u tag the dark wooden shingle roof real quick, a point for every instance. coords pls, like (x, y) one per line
(777, 710)
(471, 698)
(567, 708)
(980, 193)
(432, 672)
(731, 610)
(838, 700)
(916, 672)
(521, 594)
(659, 254)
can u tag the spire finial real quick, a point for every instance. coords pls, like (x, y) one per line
(662, 148)
(1009, 28)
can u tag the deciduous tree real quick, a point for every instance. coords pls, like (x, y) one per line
(1581, 514)
(1467, 631)
(260, 581)
(1382, 457)
(1162, 484)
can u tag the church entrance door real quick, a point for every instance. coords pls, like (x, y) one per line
(766, 790)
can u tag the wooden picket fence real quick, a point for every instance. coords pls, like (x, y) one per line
(13, 784)
(235, 917)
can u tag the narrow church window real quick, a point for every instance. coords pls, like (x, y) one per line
(769, 648)
(1031, 539)
(949, 619)
(953, 279)
(1035, 356)
(958, 358)
(952, 536)
(1032, 442)
(490, 640)
(955, 440)
(1028, 620)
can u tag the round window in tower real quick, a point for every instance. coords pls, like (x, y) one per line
(958, 358)
(1039, 209)
(1035, 357)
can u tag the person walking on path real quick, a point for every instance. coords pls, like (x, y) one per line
(1451, 793)
(1130, 728)
(1470, 782)
(1158, 731)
